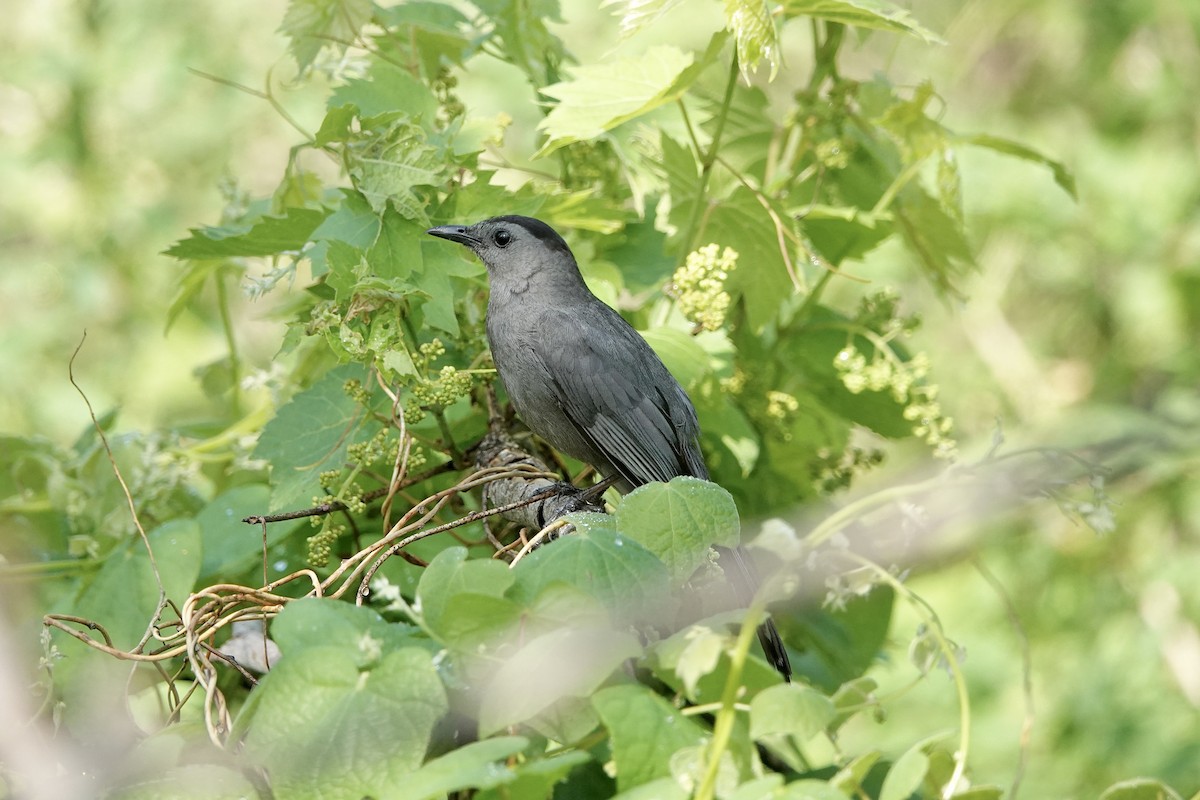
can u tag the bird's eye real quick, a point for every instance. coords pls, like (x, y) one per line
(502, 238)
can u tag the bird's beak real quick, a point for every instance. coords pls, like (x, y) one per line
(455, 233)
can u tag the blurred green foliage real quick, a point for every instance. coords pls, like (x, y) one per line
(1080, 324)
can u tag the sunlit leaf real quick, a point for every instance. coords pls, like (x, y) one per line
(313, 24)
(309, 435)
(646, 730)
(476, 765)
(755, 32)
(568, 662)
(1062, 176)
(267, 236)
(325, 725)
(679, 521)
(602, 96)
(877, 14)
(638, 14)
(790, 708)
(905, 775)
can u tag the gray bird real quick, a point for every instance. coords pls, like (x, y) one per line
(582, 378)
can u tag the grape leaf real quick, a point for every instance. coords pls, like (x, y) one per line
(602, 96)
(325, 725)
(646, 731)
(267, 236)
(679, 521)
(876, 14)
(313, 24)
(309, 435)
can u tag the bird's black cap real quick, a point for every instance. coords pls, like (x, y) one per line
(473, 235)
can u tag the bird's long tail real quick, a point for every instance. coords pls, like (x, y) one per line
(745, 582)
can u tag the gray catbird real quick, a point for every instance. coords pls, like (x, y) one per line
(582, 378)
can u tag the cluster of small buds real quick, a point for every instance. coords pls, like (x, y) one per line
(734, 384)
(929, 424)
(372, 450)
(835, 470)
(428, 352)
(699, 285)
(417, 457)
(320, 545)
(450, 385)
(443, 86)
(781, 410)
(903, 379)
(355, 390)
(592, 164)
(832, 154)
(878, 312)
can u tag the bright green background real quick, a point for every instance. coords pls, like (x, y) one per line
(1082, 324)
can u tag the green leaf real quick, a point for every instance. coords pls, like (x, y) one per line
(191, 782)
(661, 789)
(124, 594)
(387, 89)
(935, 236)
(314, 622)
(842, 643)
(435, 31)
(600, 97)
(325, 726)
(353, 223)
(1140, 789)
(641, 255)
(638, 14)
(569, 662)
(605, 564)
(792, 709)
(810, 789)
(390, 164)
(849, 779)
(396, 252)
(476, 765)
(452, 586)
(567, 720)
(754, 30)
(527, 42)
(685, 659)
(679, 521)
(844, 232)
(309, 435)
(905, 775)
(536, 779)
(811, 349)
(852, 696)
(191, 283)
(472, 622)
(764, 788)
(268, 236)
(231, 547)
(681, 353)
(875, 14)
(761, 278)
(313, 24)
(700, 655)
(646, 731)
(995, 793)
(1062, 176)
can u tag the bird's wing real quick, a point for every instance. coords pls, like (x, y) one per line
(621, 398)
